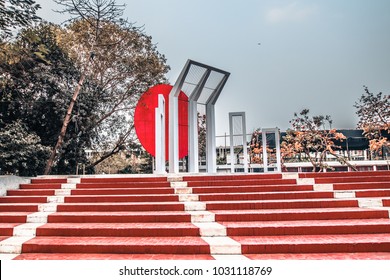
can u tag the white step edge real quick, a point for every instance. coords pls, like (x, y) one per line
(194, 206)
(7, 257)
(230, 257)
(38, 217)
(223, 246)
(370, 202)
(201, 216)
(13, 245)
(27, 230)
(211, 229)
(305, 181)
(323, 187)
(344, 194)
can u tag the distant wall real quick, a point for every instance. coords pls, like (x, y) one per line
(11, 182)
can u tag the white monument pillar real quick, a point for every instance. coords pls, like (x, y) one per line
(160, 135)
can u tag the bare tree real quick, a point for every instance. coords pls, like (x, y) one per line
(95, 12)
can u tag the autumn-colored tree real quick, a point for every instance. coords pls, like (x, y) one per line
(373, 111)
(314, 137)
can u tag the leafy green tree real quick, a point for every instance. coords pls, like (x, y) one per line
(21, 151)
(36, 91)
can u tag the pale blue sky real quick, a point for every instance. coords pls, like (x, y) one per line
(313, 54)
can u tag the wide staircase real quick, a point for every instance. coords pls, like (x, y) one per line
(333, 215)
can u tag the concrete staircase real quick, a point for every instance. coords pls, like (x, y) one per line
(198, 217)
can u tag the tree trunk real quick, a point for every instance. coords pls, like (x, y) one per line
(65, 123)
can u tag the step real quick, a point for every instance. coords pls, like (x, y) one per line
(13, 217)
(117, 245)
(122, 191)
(105, 207)
(120, 198)
(358, 186)
(7, 229)
(349, 243)
(372, 193)
(30, 192)
(245, 189)
(343, 174)
(308, 227)
(118, 229)
(265, 196)
(119, 217)
(22, 207)
(122, 179)
(48, 180)
(323, 256)
(299, 214)
(23, 199)
(238, 177)
(40, 186)
(242, 182)
(126, 185)
(339, 180)
(82, 256)
(281, 204)
(386, 202)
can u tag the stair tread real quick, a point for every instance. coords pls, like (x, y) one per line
(314, 239)
(118, 225)
(308, 223)
(140, 241)
(322, 256)
(83, 256)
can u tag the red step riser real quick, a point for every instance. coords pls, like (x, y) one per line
(266, 196)
(103, 199)
(119, 219)
(48, 181)
(118, 207)
(117, 249)
(13, 219)
(119, 232)
(344, 174)
(122, 191)
(237, 217)
(281, 205)
(6, 231)
(242, 183)
(233, 177)
(18, 208)
(123, 185)
(386, 202)
(306, 230)
(373, 179)
(244, 189)
(123, 180)
(373, 193)
(117, 245)
(360, 186)
(23, 199)
(315, 248)
(30, 192)
(40, 186)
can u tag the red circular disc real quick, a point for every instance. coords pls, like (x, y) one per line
(144, 120)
